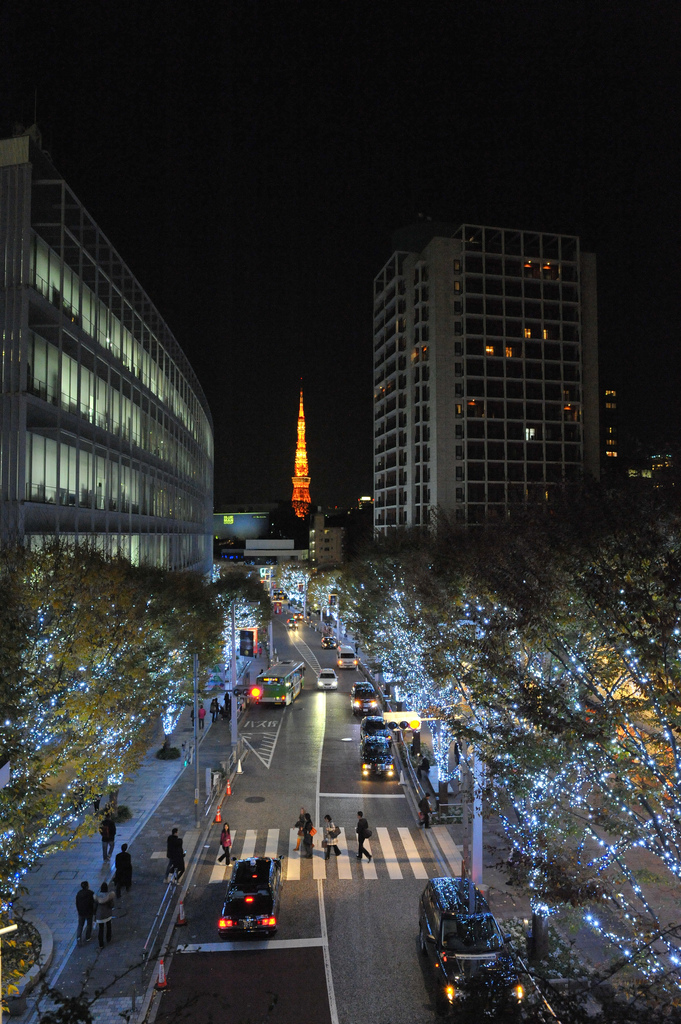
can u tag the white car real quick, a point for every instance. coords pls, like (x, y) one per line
(327, 680)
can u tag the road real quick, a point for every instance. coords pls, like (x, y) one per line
(346, 949)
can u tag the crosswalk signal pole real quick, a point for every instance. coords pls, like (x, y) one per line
(234, 737)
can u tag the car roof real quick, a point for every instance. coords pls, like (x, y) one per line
(327, 672)
(373, 719)
(460, 896)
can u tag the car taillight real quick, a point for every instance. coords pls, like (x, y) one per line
(225, 922)
(249, 899)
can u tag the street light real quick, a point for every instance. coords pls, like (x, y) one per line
(4, 931)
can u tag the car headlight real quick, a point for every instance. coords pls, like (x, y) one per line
(450, 992)
(519, 993)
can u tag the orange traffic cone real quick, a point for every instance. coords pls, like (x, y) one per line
(228, 791)
(181, 919)
(218, 816)
(162, 981)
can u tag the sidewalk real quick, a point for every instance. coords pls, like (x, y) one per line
(160, 796)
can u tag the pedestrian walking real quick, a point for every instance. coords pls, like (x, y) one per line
(363, 832)
(226, 844)
(227, 706)
(105, 904)
(123, 875)
(423, 766)
(424, 811)
(214, 709)
(108, 833)
(331, 833)
(356, 648)
(202, 716)
(175, 854)
(85, 905)
(307, 841)
(300, 825)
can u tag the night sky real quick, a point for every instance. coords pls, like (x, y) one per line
(250, 162)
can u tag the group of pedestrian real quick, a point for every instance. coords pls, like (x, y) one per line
(98, 907)
(307, 832)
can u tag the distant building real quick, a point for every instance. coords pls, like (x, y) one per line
(485, 372)
(240, 526)
(105, 434)
(326, 542)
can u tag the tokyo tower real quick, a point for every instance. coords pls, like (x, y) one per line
(301, 481)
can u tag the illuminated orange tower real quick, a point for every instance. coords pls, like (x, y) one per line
(301, 481)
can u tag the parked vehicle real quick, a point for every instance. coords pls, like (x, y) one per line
(463, 943)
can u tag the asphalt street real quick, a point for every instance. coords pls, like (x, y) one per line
(347, 939)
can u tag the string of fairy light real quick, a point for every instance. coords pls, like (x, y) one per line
(629, 768)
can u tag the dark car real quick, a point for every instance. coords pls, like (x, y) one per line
(374, 725)
(463, 942)
(252, 899)
(376, 757)
(363, 699)
(328, 641)
(292, 624)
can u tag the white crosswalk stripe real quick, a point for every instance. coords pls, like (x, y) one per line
(398, 855)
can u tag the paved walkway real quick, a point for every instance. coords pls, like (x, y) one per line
(160, 796)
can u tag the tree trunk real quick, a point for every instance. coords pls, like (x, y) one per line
(539, 946)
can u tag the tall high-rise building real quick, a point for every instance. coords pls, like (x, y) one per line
(105, 433)
(485, 372)
(301, 481)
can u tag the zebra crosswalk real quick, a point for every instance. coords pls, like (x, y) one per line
(402, 854)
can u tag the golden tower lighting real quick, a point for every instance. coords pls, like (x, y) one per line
(301, 481)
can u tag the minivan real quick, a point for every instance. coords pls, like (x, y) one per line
(347, 658)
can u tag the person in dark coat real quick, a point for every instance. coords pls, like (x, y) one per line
(362, 830)
(214, 709)
(108, 832)
(85, 905)
(123, 876)
(307, 842)
(175, 854)
(425, 809)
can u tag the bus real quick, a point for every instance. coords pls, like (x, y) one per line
(279, 684)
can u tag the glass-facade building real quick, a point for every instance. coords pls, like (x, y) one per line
(106, 435)
(485, 373)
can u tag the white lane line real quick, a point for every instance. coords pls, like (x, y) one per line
(219, 872)
(449, 848)
(272, 842)
(236, 947)
(415, 862)
(310, 658)
(343, 862)
(318, 858)
(369, 866)
(388, 852)
(249, 844)
(293, 859)
(333, 1009)
(366, 796)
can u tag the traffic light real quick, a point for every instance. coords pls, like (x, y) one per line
(333, 600)
(402, 720)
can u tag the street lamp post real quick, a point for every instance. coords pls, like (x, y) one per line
(4, 931)
(196, 740)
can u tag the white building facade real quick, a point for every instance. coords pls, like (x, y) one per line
(105, 433)
(485, 373)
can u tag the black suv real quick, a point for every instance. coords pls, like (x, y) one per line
(373, 725)
(363, 699)
(464, 944)
(252, 898)
(376, 757)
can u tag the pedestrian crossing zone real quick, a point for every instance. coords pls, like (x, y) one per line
(396, 853)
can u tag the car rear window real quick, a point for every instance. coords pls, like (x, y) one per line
(249, 877)
(364, 691)
(478, 933)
